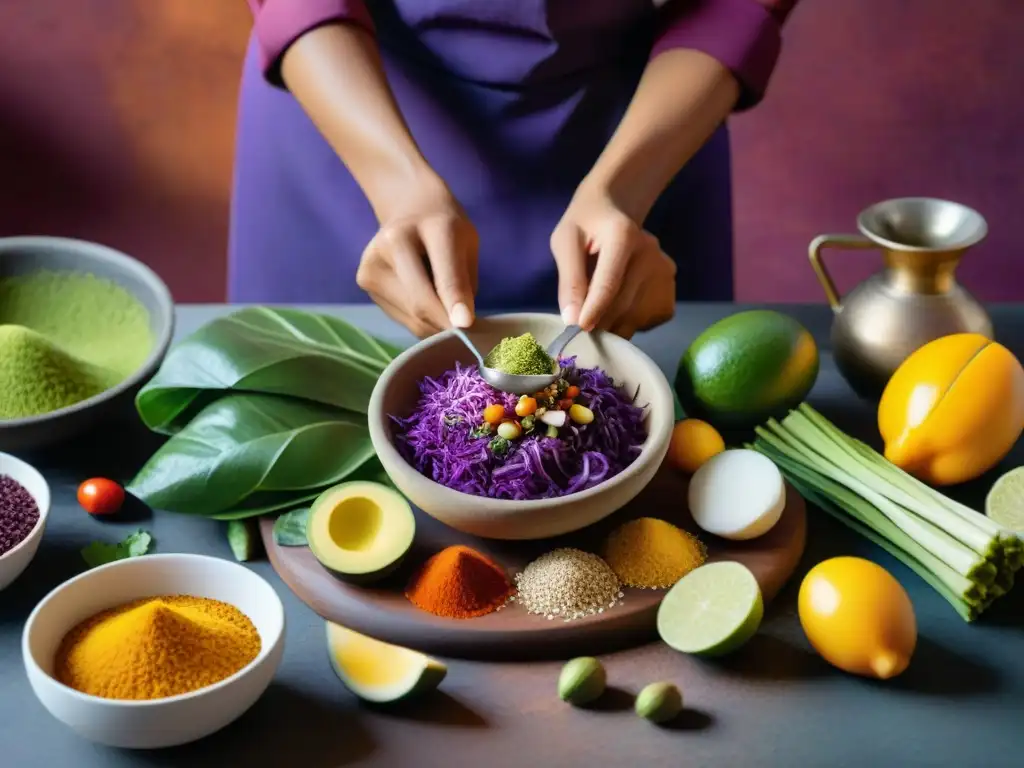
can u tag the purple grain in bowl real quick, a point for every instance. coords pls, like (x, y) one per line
(24, 508)
(19, 513)
(445, 437)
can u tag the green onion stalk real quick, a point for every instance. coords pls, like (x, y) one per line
(959, 552)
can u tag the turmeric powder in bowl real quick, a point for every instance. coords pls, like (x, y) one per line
(157, 647)
(651, 553)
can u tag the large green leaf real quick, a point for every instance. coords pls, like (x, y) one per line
(269, 350)
(265, 502)
(244, 444)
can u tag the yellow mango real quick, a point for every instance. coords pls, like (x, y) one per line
(953, 409)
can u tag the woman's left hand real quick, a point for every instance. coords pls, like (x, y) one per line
(612, 274)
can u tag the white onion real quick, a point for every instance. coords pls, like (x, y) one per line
(738, 494)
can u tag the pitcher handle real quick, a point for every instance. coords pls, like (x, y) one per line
(815, 252)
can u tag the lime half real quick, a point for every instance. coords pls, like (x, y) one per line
(712, 610)
(1005, 501)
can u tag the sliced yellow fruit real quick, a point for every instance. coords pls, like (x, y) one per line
(953, 409)
(380, 672)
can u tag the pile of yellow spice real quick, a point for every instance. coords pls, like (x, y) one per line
(651, 553)
(157, 647)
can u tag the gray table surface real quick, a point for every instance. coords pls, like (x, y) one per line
(773, 704)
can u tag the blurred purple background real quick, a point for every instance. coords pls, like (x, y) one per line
(117, 121)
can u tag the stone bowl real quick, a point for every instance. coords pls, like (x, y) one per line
(19, 255)
(397, 391)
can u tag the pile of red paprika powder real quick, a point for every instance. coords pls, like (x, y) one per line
(459, 583)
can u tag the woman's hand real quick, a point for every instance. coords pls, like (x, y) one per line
(612, 274)
(421, 267)
(683, 96)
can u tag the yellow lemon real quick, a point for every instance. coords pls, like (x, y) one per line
(693, 443)
(953, 409)
(858, 617)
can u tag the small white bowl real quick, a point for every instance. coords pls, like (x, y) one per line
(163, 722)
(16, 560)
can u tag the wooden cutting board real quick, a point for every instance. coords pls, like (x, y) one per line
(382, 611)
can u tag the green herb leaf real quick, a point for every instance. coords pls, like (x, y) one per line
(290, 528)
(270, 350)
(244, 539)
(138, 543)
(482, 431)
(101, 553)
(499, 446)
(245, 443)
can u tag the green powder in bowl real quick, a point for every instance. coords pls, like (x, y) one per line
(64, 337)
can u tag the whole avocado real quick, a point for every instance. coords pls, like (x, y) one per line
(747, 368)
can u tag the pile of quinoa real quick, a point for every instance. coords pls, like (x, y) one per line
(19, 513)
(569, 584)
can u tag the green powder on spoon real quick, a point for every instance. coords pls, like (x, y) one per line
(520, 356)
(64, 337)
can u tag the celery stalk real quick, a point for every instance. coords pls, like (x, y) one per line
(978, 531)
(959, 557)
(966, 611)
(831, 443)
(955, 585)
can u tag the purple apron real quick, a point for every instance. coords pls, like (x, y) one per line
(512, 111)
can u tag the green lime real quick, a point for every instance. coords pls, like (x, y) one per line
(582, 680)
(1005, 501)
(747, 367)
(712, 610)
(659, 702)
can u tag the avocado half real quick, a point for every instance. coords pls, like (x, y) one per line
(360, 531)
(380, 672)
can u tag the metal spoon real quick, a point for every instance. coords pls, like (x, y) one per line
(520, 385)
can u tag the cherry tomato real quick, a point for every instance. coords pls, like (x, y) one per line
(493, 414)
(100, 496)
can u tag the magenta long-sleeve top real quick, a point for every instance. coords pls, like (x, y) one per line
(511, 103)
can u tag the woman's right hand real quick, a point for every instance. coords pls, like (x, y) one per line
(421, 266)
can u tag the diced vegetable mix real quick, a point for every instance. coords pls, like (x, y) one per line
(573, 435)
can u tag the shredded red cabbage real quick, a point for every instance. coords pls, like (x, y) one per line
(438, 438)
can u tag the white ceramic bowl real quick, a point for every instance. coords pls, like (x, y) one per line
(16, 560)
(159, 722)
(397, 391)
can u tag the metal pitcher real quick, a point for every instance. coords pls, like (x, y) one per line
(914, 300)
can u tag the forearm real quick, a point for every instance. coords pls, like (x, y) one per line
(682, 98)
(335, 73)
